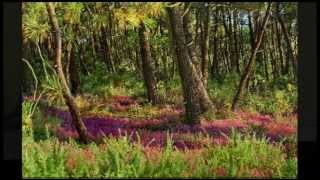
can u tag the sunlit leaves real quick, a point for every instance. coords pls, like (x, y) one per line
(135, 13)
(128, 16)
(34, 31)
(35, 26)
(73, 12)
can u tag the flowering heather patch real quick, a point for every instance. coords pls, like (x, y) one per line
(152, 132)
(124, 100)
(120, 103)
(276, 131)
(260, 120)
(100, 127)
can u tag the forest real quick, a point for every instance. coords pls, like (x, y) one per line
(159, 89)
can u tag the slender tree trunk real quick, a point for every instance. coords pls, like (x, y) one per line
(74, 74)
(80, 54)
(147, 67)
(241, 48)
(279, 47)
(215, 46)
(232, 48)
(75, 114)
(196, 98)
(272, 54)
(227, 42)
(251, 29)
(236, 46)
(67, 64)
(248, 70)
(205, 47)
(93, 47)
(292, 57)
(98, 48)
(266, 68)
(107, 51)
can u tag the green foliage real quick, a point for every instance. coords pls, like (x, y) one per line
(167, 166)
(246, 153)
(245, 156)
(276, 102)
(73, 12)
(28, 111)
(43, 159)
(122, 159)
(52, 90)
(221, 91)
(34, 22)
(290, 170)
(135, 13)
(107, 85)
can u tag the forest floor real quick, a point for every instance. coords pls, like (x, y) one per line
(124, 115)
(128, 117)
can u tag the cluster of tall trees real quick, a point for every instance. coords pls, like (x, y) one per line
(196, 40)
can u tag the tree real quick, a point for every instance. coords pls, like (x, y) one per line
(75, 114)
(248, 70)
(291, 56)
(187, 28)
(196, 98)
(147, 66)
(205, 44)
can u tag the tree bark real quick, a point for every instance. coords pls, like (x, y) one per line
(74, 74)
(107, 51)
(147, 67)
(75, 114)
(214, 68)
(189, 40)
(279, 47)
(196, 98)
(205, 46)
(236, 46)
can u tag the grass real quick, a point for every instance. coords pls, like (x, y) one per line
(246, 154)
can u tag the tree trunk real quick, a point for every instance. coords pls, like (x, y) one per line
(189, 40)
(93, 47)
(236, 46)
(215, 46)
(84, 69)
(68, 59)
(75, 114)
(279, 47)
(248, 70)
(74, 74)
(147, 67)
(251, 29)
(107, 51)
(196, 98)
(205, 47)
(291, 57)
(272, 54)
